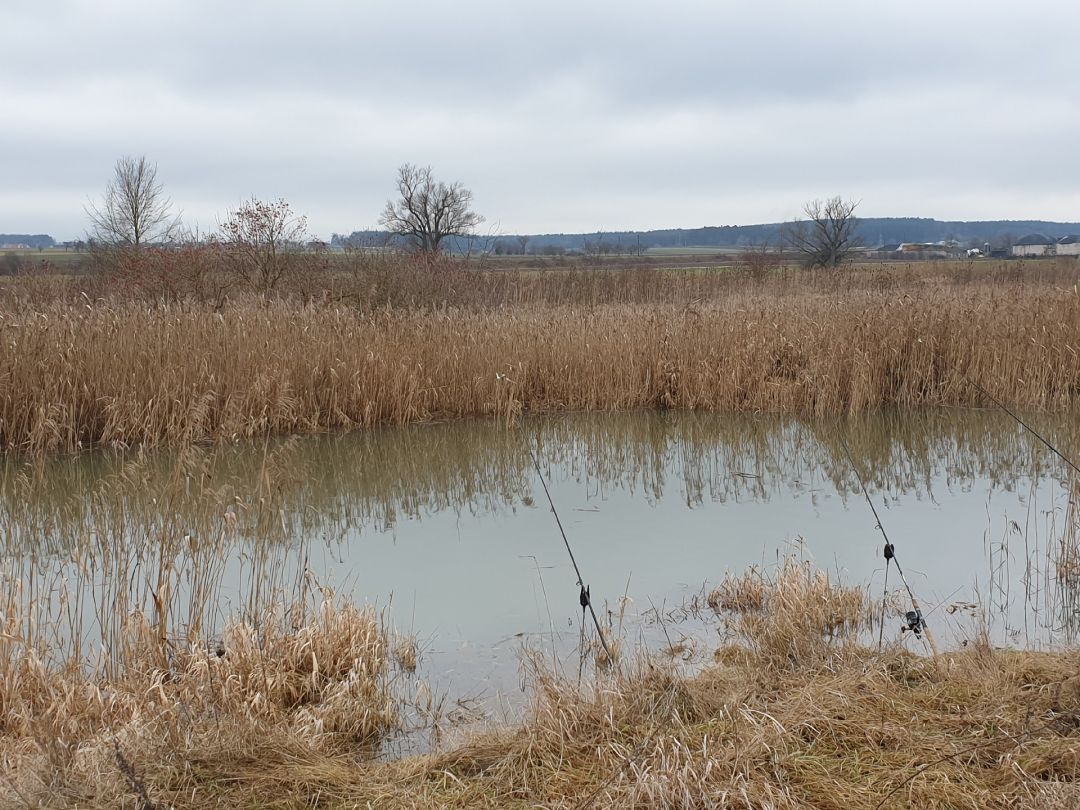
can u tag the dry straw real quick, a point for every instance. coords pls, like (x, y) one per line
(288, 704)
(119, 372)
(794, 713)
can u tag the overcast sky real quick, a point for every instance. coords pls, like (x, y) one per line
(560, 116)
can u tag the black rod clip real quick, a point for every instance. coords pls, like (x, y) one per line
(913, 621)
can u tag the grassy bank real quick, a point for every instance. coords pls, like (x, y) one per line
(975, 729)
(171, 631)
(78, 375)
(790, 712)
(160, 710)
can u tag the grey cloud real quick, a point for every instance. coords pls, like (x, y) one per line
(559, 115)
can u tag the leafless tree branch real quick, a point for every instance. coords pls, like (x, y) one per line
(826, 238)
(263, 241)
(427, 211)
(135, 210)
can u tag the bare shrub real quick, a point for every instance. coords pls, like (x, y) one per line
(189, 273)
(758, 263)
(263, 242)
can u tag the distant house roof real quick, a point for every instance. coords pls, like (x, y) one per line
(1071, 239)
(1034, 239)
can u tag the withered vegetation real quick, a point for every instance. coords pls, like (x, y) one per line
(394, 342)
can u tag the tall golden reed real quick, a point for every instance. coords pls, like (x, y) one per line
(77, 376)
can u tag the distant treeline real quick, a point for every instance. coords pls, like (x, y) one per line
(874, 231)
(36, 240)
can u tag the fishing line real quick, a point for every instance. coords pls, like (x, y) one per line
(1023, 424)
(916, 621)
(584, 596)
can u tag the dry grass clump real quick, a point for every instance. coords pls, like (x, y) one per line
(73, 377)
(265, 724)
(976, 728)
(1065, 555)
(794, 617)
(739, 594)
(406, 654)
(747, 735)
(317, 684)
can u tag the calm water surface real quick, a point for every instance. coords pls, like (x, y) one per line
(446, 524)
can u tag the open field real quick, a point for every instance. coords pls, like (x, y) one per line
(390, 345)
(691, 250)
(54, 256)
(727, 257)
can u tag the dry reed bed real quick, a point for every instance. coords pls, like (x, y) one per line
(75, 377)
(77, 734)
(172, 630)
(792, 713)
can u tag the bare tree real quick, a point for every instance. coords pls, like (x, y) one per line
(427, 211)
(594, 248)
(826, 238)
(263, 241)
(135, 211)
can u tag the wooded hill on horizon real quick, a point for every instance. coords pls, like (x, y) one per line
(873, 231)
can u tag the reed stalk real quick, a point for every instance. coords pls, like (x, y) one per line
(119, 374)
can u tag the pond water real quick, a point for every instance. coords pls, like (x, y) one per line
(447, 524)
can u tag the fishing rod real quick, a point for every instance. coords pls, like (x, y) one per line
(916, 620)
(1022, 423)
(584, 596)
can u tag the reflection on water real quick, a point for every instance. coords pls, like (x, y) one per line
(448, 523)
(373, 480)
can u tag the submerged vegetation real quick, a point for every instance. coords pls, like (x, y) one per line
(319, 685)
(394, 345)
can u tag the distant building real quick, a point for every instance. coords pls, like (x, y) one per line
(1068, 246)
(930, 250)
(1034, 244)
(883, 252)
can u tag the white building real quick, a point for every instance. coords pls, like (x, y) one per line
(1034, 244)
(1068, 246)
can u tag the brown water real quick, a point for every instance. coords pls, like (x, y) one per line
(446, 524)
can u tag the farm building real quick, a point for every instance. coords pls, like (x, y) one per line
(1068, 246)
(1034, 244)
(929, 250)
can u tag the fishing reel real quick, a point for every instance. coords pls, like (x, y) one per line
(913, 621)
